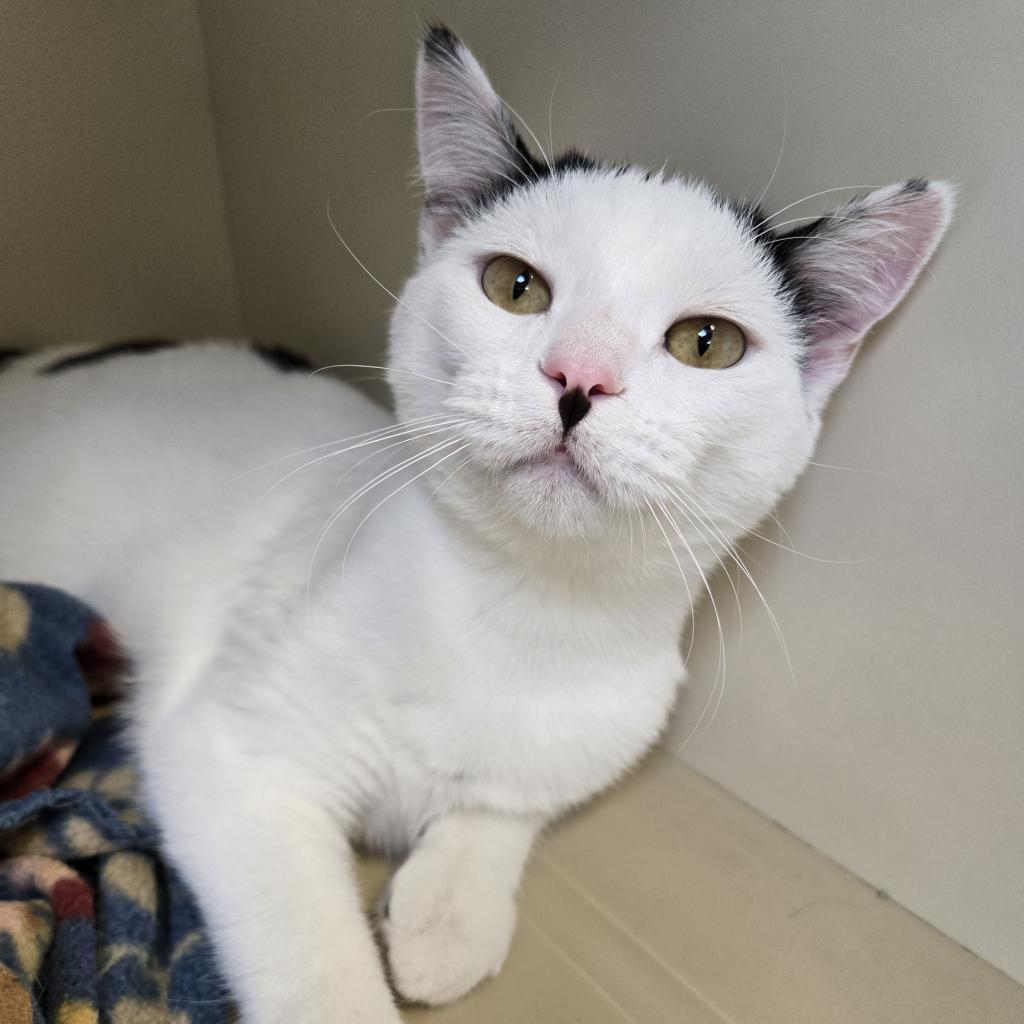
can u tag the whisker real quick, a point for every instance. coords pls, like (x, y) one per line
(386, 369)
(343, 440)
(529, 131)
(892, 229)
(415, 431)
(824, 192)
(712, 547)
(682, 575)
(847, 469)
(381, 285)
(629, 512)
(697, 566)
(643, 531)
(748, 531)
(366, 458)
(720, 671)
(401, 487)
(741, 565)
(551, 103)
(782, 147)
(386, 110)
(366, 488)
(460, 466)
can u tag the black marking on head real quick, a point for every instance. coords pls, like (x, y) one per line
(281, 358)
(8, 355)
(782, 247)
(572, 407)
(811, 300)
(134, 347)
(808, 299)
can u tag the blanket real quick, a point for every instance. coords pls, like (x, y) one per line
(94, 927)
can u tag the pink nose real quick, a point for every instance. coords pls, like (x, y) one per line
(589, 378)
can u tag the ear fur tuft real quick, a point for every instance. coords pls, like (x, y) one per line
(848, 269)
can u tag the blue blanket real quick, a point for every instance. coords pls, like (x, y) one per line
(94, 926)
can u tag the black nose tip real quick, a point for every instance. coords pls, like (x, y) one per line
(572, 407)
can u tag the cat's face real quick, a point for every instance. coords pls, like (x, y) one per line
(649, 351)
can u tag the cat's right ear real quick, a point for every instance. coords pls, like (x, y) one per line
(468, 145)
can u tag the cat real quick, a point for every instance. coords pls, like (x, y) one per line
(602, 376)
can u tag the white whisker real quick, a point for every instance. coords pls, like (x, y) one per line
(386, 369)
(720, 672)
(824, 192)
(446, 427)
(529, 132)
(366, 488)
(415, 432)
(401, 487)
(741, 565)
(384, 287)
(782, 147)
(342, 440)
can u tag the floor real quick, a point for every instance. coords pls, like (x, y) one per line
(670, 902)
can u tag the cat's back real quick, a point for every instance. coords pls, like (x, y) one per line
(111, 456)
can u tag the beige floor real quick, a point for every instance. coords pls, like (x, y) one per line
(670, 902)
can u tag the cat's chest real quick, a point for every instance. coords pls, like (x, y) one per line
(535, 738)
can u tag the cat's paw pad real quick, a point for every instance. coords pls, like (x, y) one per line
(445, 933)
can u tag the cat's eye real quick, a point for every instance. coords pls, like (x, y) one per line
(515, 286)
(706, 341)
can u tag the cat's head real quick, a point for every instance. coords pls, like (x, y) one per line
(599, 342)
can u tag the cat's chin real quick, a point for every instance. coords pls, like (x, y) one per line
(556, 496)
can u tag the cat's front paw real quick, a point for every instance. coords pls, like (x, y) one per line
(445, 931)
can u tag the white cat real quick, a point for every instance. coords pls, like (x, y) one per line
(602, 377)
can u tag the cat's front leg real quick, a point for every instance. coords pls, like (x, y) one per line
(449, 913)
(270, 866)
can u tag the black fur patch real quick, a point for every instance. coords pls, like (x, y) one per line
(781, 247)
(281, 358)
(811, 300)
(808, 300)
(135, 347)
(8, 355)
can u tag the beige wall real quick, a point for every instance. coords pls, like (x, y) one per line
(898, 750)
(111, 216)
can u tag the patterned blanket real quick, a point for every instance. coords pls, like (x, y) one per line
(94, 927)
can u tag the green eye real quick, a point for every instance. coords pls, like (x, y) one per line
(707, 342)
(515, 286)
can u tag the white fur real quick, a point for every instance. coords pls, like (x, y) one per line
(492, 648)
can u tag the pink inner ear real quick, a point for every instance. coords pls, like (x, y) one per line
(903, 239)
(862, 262)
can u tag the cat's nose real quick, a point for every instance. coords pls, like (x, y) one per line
(588, 378)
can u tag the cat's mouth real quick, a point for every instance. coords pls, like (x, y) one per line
(559, 462)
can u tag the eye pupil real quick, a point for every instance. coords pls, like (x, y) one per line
(704, 338)
(521, 283)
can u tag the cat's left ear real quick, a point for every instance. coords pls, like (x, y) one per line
(468, 145)
(849, 269)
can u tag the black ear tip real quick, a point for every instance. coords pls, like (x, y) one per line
(915, 186)
(440, 43)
